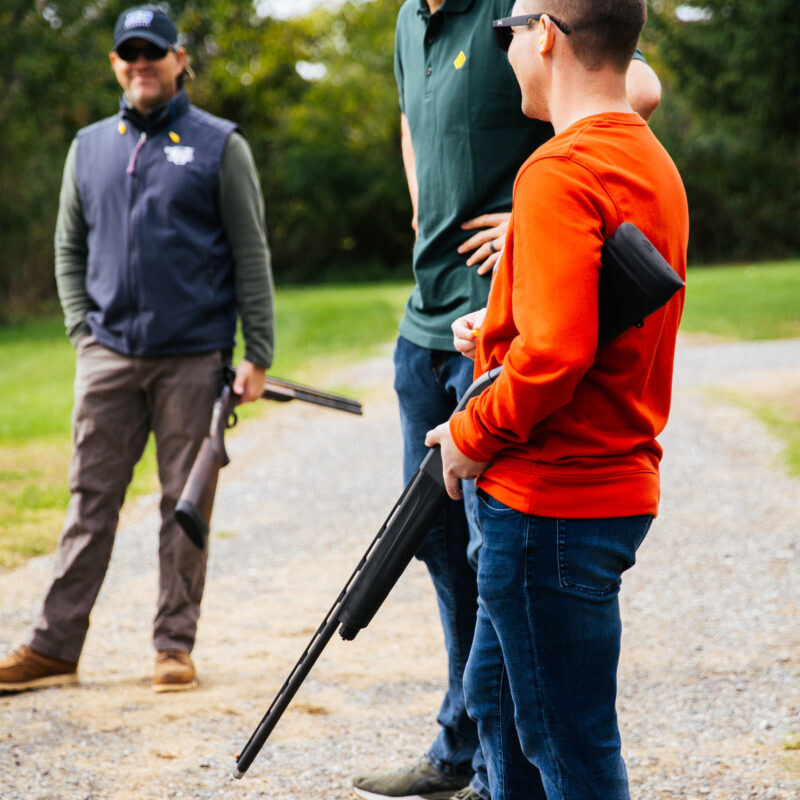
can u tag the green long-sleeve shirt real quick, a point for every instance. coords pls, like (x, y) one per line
(242, 213)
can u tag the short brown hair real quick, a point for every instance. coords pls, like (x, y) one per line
(604, 32)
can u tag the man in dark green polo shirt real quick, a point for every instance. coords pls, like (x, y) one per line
(464, 137)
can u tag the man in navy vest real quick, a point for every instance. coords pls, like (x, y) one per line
(160, 239)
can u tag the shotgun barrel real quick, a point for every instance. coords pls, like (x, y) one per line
(635, 280)
(376, 574)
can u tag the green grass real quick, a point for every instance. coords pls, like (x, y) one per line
(744, 302)
(317, 328)
(781, 419)
(334, 324)
(752, 303)
(784, 424)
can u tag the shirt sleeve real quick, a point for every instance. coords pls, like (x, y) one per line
(71, 252)
(242, 211)
(550, 307)
(398, 70)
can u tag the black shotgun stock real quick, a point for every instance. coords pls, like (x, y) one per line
(375, 576)
(196, 502)
(635, 280)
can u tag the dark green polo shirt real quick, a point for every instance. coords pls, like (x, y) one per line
(469, 136)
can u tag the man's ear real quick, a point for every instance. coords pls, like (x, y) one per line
(180, 59)
(547, 35)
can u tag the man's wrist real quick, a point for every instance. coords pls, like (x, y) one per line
(460, 430)
(256, 361)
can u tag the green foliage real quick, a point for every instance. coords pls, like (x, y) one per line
(328, 148)
(52, 81)
(730, 118)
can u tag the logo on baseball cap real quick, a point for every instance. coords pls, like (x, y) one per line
(146, 22)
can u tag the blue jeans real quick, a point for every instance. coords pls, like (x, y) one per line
(429, 384)
(541, 680)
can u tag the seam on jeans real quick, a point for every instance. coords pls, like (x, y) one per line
(462, 661)
(535, 656)
(503, 746)
(498, 512)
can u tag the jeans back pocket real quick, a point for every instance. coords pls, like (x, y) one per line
(593, 553)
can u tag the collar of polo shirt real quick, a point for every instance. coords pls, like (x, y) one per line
(450, 6)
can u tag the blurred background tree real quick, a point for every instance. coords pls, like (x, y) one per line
(316, 98)
(53, 80)
(730, 117)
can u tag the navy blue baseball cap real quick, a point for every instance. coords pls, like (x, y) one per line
(146, 22)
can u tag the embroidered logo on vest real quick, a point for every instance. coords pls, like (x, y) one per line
(179, 155)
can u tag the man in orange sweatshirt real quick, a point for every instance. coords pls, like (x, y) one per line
(563, 443)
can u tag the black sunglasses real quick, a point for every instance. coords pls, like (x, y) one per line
(131, 52)
(503, 33)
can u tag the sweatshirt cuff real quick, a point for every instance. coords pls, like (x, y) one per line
(471, 439)
(260, 356)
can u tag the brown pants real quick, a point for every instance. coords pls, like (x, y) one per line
(118, 401)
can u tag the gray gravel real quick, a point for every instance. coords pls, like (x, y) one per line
(710, 673)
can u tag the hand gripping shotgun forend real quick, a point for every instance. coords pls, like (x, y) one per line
(635, 280)
(196, 502)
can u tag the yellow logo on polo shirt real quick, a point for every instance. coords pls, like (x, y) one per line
(460, 60)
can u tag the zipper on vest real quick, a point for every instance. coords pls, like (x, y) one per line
(132, 256)
(135, 154)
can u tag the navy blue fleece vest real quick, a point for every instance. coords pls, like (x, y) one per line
(160, 269)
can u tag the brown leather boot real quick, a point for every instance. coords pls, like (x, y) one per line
(27, 669)
(174, 672)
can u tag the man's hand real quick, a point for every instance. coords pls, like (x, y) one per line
(465, 332)
(455, 464)
(249, 383)
(488, 242)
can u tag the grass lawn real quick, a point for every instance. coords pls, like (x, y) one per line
(744, 302)
(317, 328)
(751, 302)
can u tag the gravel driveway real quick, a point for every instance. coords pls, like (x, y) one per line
(710, 674)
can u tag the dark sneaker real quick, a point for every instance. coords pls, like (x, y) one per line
(420, 781)
(174, 672)
(27, 669)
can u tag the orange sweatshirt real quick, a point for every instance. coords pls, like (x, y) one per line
(570, 429)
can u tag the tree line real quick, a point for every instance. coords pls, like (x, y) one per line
(315, 97)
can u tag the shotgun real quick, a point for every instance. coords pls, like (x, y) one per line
(380, 567)
(196, 502)
(635, 280)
